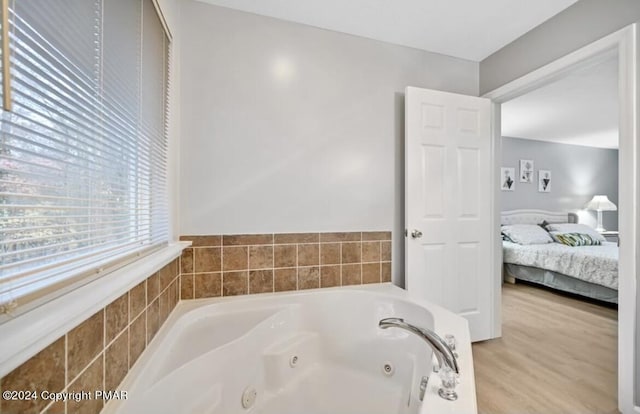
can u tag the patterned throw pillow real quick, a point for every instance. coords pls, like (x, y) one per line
(575, 228)
(575, 239)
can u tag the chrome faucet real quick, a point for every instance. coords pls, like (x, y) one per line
(447, 361)
(443, 352)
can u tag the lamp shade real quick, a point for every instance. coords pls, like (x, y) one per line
(600, 203)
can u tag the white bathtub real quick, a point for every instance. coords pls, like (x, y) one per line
(312, 352)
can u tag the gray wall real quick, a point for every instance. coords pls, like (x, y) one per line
(577, 174)
(291, 128)
(571, 29)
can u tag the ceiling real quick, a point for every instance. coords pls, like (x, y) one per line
(467, 29)
(580, 109)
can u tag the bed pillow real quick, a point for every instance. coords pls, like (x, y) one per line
(576, 228)
(526, 234)
(575, 239)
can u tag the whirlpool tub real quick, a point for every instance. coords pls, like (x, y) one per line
(312, 352)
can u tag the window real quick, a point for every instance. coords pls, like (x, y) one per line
(83, 148)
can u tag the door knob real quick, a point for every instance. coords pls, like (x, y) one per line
(416, 234)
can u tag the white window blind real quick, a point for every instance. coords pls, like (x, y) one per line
(83, 150)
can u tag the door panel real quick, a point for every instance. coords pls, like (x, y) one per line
(468, 182)
(467, 276)
(433, 164)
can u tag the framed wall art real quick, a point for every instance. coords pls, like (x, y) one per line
(526, 171)
(544, 181)
(507, 178)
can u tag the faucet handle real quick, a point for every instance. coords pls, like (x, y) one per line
(449, 380)
(450, 340)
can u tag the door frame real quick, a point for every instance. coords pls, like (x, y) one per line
(626, 42)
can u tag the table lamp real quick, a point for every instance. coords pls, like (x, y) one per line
(600, 203)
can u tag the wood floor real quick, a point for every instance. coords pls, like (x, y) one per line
(557, 355)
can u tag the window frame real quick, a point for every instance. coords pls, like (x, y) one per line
(24, 335)
(35, 288)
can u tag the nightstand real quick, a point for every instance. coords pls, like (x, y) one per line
(611, 236)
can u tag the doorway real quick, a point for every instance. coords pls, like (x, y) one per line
(559, 316)
(624, 44)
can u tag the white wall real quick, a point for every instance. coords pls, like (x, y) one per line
(290, 128)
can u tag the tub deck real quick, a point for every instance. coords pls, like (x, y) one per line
(315, 351)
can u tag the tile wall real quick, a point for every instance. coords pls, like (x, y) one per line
(98, 353)
(228, 265)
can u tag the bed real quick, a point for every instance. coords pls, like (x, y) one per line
(590, 271)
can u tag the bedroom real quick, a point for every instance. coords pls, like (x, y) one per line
(559, 157)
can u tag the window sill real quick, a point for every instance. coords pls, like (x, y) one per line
(29, 333)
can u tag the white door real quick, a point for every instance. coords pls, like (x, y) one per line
(448, 204)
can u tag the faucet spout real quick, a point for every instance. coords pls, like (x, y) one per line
(442, 351)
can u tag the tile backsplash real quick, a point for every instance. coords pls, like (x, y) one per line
(228, 265)
(98, 353)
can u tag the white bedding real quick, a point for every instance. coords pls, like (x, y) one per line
(594, 264)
